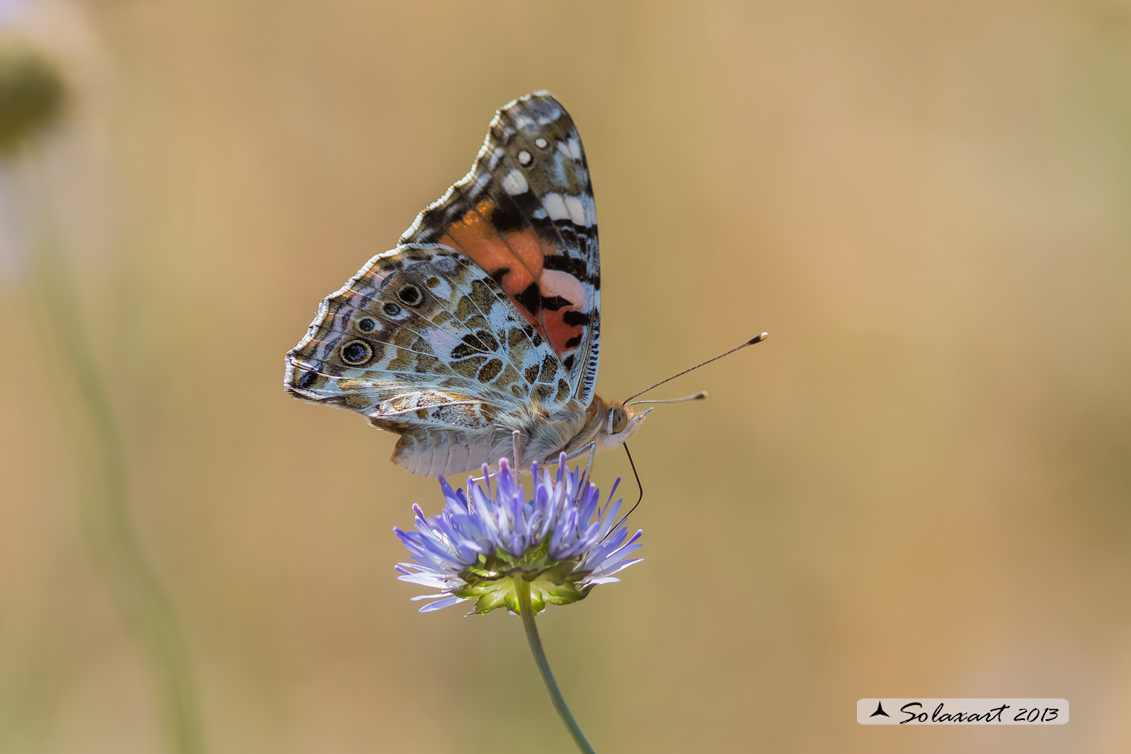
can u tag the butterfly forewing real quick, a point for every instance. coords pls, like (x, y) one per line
(525, 214)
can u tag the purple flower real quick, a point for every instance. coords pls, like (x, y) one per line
(560, 541)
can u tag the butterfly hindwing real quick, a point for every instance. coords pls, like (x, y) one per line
(421, 338)
(525, 214)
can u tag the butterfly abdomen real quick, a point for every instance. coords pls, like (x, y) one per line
(434, 452)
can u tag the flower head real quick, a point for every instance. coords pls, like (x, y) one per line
(561, 541)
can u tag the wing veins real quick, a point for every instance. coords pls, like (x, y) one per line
(500, 296)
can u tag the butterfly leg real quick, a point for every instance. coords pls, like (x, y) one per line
(591, 449)
(516, 449)
(589, 463)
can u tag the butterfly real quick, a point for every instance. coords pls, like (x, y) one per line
(485, 320)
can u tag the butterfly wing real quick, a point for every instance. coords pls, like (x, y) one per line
(525, 214)
(427, 345)
(485, 318)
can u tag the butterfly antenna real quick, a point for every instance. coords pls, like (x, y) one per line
(639, 486)
(752, 341)
(697, 397)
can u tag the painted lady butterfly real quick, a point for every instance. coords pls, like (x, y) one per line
(485, 319)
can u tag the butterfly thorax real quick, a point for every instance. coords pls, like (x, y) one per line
(544, 430)
(547, 430)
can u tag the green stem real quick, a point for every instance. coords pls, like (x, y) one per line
(522, 587)
(108, 526)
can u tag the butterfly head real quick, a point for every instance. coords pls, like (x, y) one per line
(618, 422)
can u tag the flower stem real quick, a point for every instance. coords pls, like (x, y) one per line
(522, 588)
(108, 526)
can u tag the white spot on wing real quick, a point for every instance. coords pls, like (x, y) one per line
(442, 290)
(555, 206)
(514, 182)
(571, 148)
(541, 143)
(556, 282)
(524, 157)
(576, 210)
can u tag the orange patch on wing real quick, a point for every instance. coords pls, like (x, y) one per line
(521, 253)
(559, 333)
(530, 250)
(477, 237)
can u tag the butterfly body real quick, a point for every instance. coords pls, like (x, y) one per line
(485, 319)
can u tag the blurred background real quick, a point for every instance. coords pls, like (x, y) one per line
(918, 485)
